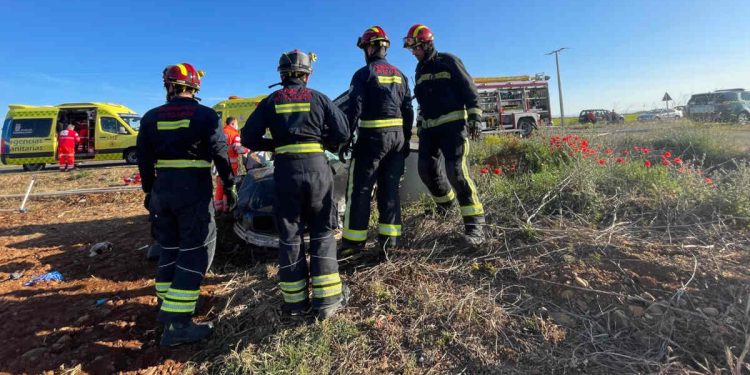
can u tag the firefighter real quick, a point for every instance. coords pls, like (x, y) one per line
(447, 100)
(380, 102)
(66, 147)
(176, 144)
(235, 154)
(303, 123)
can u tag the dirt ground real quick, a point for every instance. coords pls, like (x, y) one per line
(59, 325)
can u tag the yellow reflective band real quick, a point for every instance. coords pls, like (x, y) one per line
(326, 279)
(416, 31)
(389, 79)
(445, 198)
(375, 29)
(180, 163)
(431, 76)
(299, 148)
(446, 118)
(473, 210)
(292, 286)
(384, 123)
(162, 286)
(183, 295)
(474, 111)
(465, 172)
(389, 229)
(355, 235)
(183, 69)
(328, 291)
(178, 307)
(294, 297)
(292, 107)
(172, 125)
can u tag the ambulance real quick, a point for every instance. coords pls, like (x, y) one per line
(239, 108)
(29, 133)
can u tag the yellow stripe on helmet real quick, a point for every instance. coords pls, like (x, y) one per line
(183, 69)
(375, 29)
(416, 31)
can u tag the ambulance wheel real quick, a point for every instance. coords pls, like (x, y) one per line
(33, 167)
(130, 156)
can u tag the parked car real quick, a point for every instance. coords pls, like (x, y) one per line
(731, 105)
(660, 114)
(599, 116)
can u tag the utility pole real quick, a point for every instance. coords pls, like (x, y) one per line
(559, 85)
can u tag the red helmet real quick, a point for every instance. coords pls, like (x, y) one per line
(374, 36)
(417, 35)
(183, 74)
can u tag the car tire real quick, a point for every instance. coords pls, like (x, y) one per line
(33, 167)
(743, 118)
(130, 156)
(526, 126)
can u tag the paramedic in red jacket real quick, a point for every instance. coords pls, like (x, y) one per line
(66, 148)
(236, 150)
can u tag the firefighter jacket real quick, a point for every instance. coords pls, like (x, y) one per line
(182, 135)
(301, 121)
(380, 98)
(67, 140)
(234, 143)
(445, 91)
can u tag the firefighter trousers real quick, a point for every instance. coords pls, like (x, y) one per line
(450, 143)
(377, 157)
(304, 202)
(182, 223)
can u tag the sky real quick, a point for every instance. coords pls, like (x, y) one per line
(622, 54)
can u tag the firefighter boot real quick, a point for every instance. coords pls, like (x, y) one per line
(387, 243)
(350, 248)
(328, 311)
(184, 333)
(474, 235)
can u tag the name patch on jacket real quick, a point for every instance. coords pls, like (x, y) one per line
(431, 76)
(292, 100)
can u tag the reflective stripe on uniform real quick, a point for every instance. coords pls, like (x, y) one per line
(389, 79)
(172, 125)
(183, 295)
(299, 148)
(384, 123)
(178, 307)
(331, 278)
(475, 208)
(182, 163)
(355, 235)
(161, 288)
(293, 286)
(292, 107)
(393, 230)
(474, 111)
(328, 291)
(446, 118)
(431, 76)
(445, 198)
(294, 297)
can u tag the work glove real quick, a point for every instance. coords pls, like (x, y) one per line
(147, 201)
(345, 152)
(231, 194)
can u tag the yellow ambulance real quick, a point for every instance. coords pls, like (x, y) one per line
(239, 108)
(29, 134)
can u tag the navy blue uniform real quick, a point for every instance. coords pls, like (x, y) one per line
(176, 144)
(380, 106)
(447, 98)
(303, 123)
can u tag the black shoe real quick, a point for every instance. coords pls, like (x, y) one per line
(286, 310)
(474, 237)
(184, 333)
(350, 248)
(330, 310)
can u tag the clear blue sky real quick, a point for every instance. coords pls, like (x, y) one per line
(624, 54)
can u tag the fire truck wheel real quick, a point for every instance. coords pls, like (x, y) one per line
(526, 125)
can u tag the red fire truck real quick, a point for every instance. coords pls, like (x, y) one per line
(516, 104)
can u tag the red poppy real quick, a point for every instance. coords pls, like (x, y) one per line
(647, 163)
(665, 162)
(636, 148)
(584, 143)
(667, 154)
(681, 169)
(708, 180)
(601, 161)
(619, 160)
(645, 150)
(497, 171)
(626, 152)
(609, 151)
(677, 160)
(484, 170)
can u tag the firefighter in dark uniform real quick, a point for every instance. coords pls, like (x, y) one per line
(303, 123)
(447, 100)
(176, 144)
(380, 106)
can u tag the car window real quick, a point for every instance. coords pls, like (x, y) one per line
(726, 97)
(746, 96)
(699, 99)
(30, 128)
(110, 125)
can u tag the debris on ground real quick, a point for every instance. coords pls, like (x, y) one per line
(49, 276)
(99, 248)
